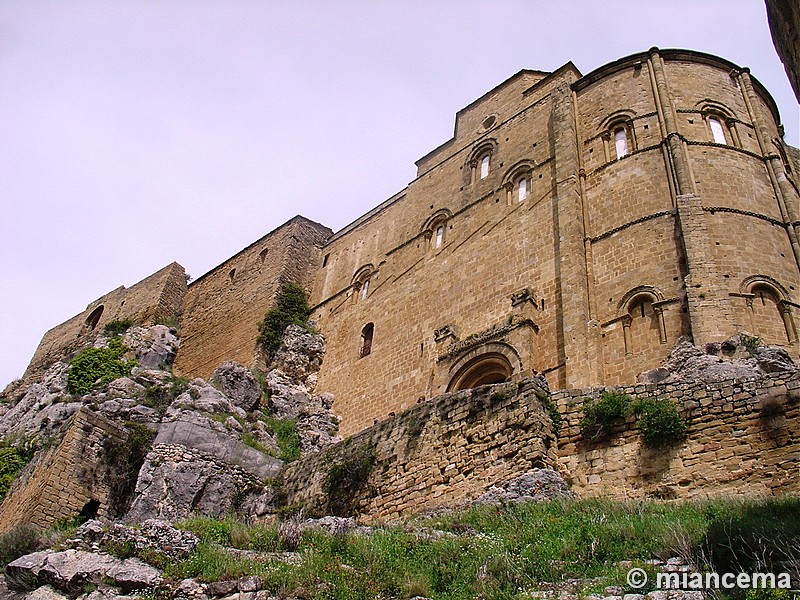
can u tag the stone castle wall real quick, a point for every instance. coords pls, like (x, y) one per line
(602, 264)
(438, 453)
(156, 298)
(61, 482)
(224, 306)
(741, 440)
(574, 225)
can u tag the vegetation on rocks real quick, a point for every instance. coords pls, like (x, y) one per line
(13, 459)
(499, 551)
(94, 367)
(291, 308)
(118, 327)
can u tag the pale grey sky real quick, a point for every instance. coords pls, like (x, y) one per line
(141, 132)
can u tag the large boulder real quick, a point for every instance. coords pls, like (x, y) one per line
(155, 347)
(237, 383)
(42, 406)
(72, 570)
(536, 485)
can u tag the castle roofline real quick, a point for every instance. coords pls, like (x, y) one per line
(293, 220)
(675, 54)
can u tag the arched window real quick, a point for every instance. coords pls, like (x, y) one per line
(94, 317)
(367, 334)
(522, 189)
(485, 369)
(364, 289)
(438, 238)
(717, 130)
(361, 283)
(621, 141)
(484, 172)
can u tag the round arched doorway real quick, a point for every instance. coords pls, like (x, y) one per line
(484, 369)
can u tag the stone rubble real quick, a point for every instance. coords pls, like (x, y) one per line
(536, 485)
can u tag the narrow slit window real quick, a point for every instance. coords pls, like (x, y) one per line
(437, 243)
(364, 289)
(717, 131)
(522, 189)
(367, 334)
(621, 142)
(485, 166)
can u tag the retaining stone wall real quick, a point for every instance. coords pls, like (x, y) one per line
(439, 453)
(742, 440)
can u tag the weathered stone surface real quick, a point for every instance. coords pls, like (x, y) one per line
(189, 589)
(26, 417)
(71, 570)
(238, 383)
(292, 380)
(720, 361)
(537, 485)
(152, 534)
(220, 444)
(154, 347)
(204, 397)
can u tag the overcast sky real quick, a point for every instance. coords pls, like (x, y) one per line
(137, 133)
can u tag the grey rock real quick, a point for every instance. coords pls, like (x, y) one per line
(24, 417)
(174, 490)
(124, 387)
(189, 589)
(236, 382)
(250, 584)
(773, 359)
(222, 588)
(155, 347)
(220, 444)
(71, 570)
(45, 593)
(536, 485)
(204, 397)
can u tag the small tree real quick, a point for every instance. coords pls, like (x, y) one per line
(291, 308)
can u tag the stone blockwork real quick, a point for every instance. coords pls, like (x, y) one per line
(743, 436)
(784, 22)
(440, 453)
(224, 306)
(574, 225)
(158, 297)
(68, 478)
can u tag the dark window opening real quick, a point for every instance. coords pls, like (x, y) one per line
(366, 339)
(94, 318)
(325, 260)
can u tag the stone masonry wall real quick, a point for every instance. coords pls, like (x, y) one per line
(156, 298)
(60, 483)
(743, 438)
(224, 306)
(438, 453)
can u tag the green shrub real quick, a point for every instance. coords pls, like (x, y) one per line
(285, 431)
(602, 414)
(659, 422)
(291, 308)
(113, 328)
(160, 396)
(552, 411)
(750, 342)
(12, 461)
(94, 367)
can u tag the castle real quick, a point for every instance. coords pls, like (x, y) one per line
(574, 225)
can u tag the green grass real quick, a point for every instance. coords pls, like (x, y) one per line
(499, 551)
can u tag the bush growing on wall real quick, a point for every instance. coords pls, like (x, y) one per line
(600, 415)
(659, 422)
(291, 308)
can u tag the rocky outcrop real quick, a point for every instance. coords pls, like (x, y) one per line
(154, 347)
(738, 357)
(72, 570)
(292, 382)
(238, 383)
(537, 485)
